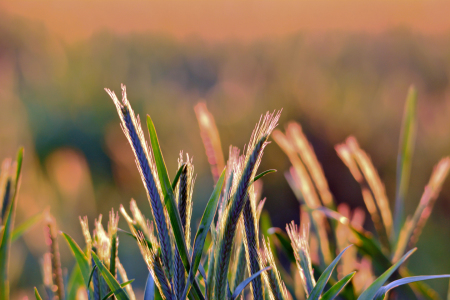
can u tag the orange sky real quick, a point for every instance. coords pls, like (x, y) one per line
(238, 19)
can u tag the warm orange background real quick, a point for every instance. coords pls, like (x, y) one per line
(242, 20)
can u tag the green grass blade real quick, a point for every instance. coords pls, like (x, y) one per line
(372, 290)
(80, 257)
(285, 242)
(169, 202)
(404, 158)
(122, 285)
(22, 228)
(91, 275)
(323, 279)
(383, 290)
(75, 280)
(202, 232)
(109, 279)
(6, 237)
(177, 176)
(262, 174)
(246, 282)
(337, 287)
(149, 292)
(36, 294)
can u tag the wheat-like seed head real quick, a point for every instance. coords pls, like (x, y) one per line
(299, 242)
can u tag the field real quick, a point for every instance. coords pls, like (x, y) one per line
(336, 81)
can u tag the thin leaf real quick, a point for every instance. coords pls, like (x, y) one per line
(149, 293)
(6, 237)
(92, 274)
(202, 232)
(177, 176)
(109, 279)
(169, 202)
(22, 228)
(122, 285)
(383, 290)
(36, 294)
(80, 257)
(337, 287)
(404, 158)
(372, 290)
(244, 283)
(284, 241)
(262, 174)
(323, 279)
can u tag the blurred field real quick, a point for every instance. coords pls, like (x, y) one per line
(338, 69)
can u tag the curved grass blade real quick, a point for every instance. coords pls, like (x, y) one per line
(284, 241)
(22, 228)
(244, 283)
(80, 257)
(404, 158)
(202, 232)
(109, 279)
(149, 292)
(36, 294)
(169, 202)
(177, 176)
(122, 285)
(262, 174)
(383, 290)
(372, 290)
(323, 279)
(337, 287)
(6, 237)
(92, 274)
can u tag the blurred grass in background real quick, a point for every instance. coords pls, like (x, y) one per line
(334, 83)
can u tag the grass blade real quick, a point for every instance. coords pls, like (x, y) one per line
(246, 282)
(284, 240)
(109, 278)
(22, 228)
(169, 202)
(202, 232)
(383, 290)
(6, 238)
(149, 292)
(262, 174)
(404, 158)
(372, 290)
(323, 279)
(36, 294)
(337, 287)
(122, 285)
(81, 259)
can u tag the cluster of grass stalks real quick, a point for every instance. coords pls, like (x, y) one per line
(229, 250)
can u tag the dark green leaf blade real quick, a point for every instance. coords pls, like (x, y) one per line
(262, 174)
(169, 202)
(203, 229)
(284, 241)
(337, 287)
(109, 279)
(122, 285)
(244, 283)
(372, 290)
(6, 237)
(404, 158)
(80, 257)
(323, 279)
